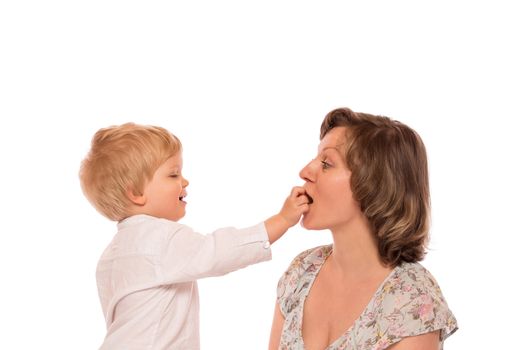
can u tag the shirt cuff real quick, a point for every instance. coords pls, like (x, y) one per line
(257, 235)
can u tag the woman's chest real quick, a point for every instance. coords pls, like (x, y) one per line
(331, 309)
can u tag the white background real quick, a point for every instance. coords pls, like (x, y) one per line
(245, 85)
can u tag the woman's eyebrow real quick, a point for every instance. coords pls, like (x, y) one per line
(336, 148)
(327, 148)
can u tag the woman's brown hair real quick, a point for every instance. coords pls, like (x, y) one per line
(389, 180)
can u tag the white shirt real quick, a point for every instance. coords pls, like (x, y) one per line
(147, 276)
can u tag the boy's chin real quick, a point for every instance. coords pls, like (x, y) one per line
(177, 217)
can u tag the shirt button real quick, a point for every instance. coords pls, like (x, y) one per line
(266, 245)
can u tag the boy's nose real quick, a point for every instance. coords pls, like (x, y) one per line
(185, 182)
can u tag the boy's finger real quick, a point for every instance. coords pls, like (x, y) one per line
(304, 207)
(304, 199)
(297, 191)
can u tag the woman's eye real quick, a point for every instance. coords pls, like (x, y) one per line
(325, 164)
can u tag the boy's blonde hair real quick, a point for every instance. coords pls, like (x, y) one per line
(123, 158)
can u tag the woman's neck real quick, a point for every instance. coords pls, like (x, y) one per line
(355, 254)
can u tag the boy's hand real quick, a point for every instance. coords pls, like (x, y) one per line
(294, 206)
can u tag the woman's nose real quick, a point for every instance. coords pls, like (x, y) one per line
(306, 173)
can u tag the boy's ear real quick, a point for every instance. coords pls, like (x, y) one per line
(138, 199)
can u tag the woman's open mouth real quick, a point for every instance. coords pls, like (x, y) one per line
(310, 199)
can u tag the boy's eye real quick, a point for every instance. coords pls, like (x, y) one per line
(174, 175)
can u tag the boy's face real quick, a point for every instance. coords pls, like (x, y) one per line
(165, 192)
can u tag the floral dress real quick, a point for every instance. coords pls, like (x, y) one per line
(409, 302)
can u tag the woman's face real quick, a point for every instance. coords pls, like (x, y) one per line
(328, 184)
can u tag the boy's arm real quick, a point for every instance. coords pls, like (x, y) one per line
(190, 255)
(228, 249)
(276, 226)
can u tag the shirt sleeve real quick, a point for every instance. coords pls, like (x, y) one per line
(419, 308)
(189, 255)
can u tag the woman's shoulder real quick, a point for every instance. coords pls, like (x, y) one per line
(311, 257)
(411, 284)
(413, 279)
(412, 303)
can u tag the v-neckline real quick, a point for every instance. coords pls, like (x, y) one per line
(326, 254)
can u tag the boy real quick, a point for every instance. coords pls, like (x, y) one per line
(147, 275)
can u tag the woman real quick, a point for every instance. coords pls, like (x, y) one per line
(369, 186)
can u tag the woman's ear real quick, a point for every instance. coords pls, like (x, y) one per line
(138, 199)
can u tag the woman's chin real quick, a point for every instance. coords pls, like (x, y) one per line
(307, 223)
